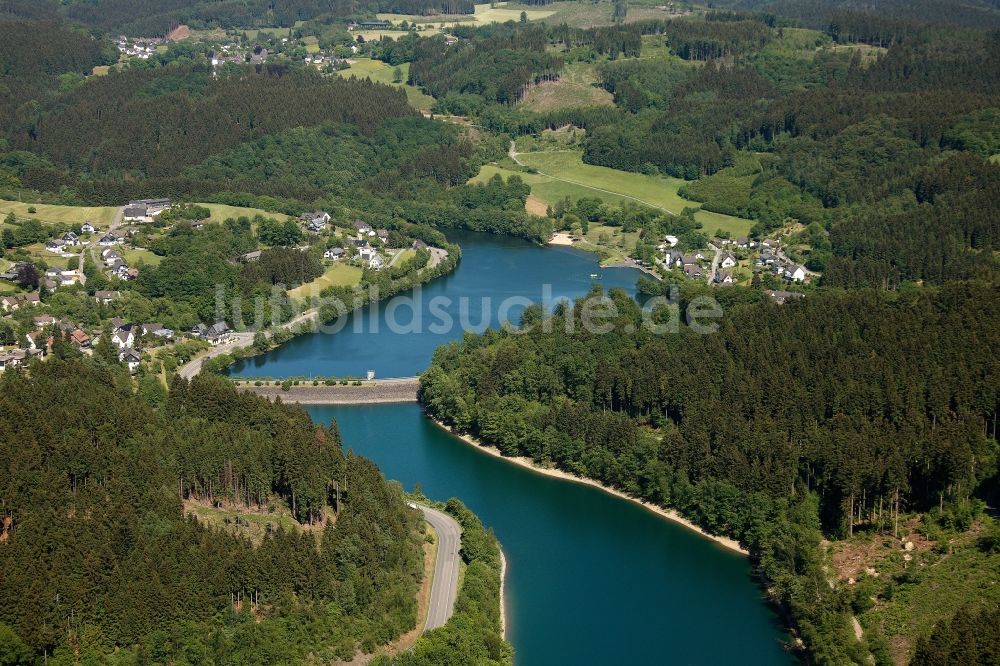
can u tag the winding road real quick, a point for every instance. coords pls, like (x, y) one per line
(444, 586)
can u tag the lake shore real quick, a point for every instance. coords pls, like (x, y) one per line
(503, 594)
(528, 463)
(367, 393)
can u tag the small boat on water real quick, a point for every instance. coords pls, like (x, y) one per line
(593, 276)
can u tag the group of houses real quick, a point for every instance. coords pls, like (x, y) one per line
(18, 301)
(214, 334)
(116, 265)
(696, 264)
(144, 210)
(141, 48)
(62, 246)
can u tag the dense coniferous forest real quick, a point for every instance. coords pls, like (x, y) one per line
(157, 17)
(830, 413)
(100, 551)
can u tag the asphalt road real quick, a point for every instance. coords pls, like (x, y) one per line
(444, 587)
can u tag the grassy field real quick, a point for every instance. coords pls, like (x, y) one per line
(485, 14)
(615, 186)
(589, 14)
(222, 212)
(576, 87)
(378, 71)
(338, 274)
(99, 215)
(134, 257)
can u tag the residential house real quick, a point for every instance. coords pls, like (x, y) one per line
(41, 321)
(316, 221)
(796, 273)
(674, 259)
(109, 240)
(87, 228)
(158, 330)
(671, 240)
(124, 338)
(9, 303)
(55, 246)
(383, 234)
(367, 253)
(744, 243)
(693, 270)
(334, 253)
(106, 296)
(215, 334)
(376, 262)
(39, 340)
(782, 297)
(250, 256)
(724, 277)
(71, 239)
(79, 339)
(110, 256)
(131, 358)
(363, 229)
(30, 300)
(131, 273)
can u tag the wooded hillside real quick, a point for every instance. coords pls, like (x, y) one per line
(100, 551)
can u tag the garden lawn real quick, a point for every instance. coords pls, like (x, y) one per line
(135, 256)
(99, 215)
(338, 274)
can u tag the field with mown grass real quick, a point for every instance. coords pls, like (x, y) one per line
(568, 175)
(139, 255)
(222, 212)
(99, 215)
(378, 71)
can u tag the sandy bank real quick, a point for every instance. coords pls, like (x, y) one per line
(560, 238)
(503, 594)
(669, 514)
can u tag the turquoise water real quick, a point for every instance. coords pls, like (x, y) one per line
(493, 271)
(591, 579)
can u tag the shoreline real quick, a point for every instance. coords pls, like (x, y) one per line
(503, 593)
(668, 514)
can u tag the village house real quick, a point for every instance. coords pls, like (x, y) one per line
(30, 300)
(9, 303)
(728, 261)
(109, 240)
(79, 339)
(334, 253)
(316, 221)
(376, 262)
(782, 297)
(796, 273)
(41, 321)
(56, 246)
(124, 337)
(367, 253)
(39, 340)
(363, 229)
(131, 358)
(71, 239)
(250, 256)
(383, 234)
(158, 330)
(106, 296)
(674, 259)
(136, 214)
(215, 334)
(693, 271)
(724, 277)
(87, 228)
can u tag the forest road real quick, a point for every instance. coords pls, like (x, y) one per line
(444, 587)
